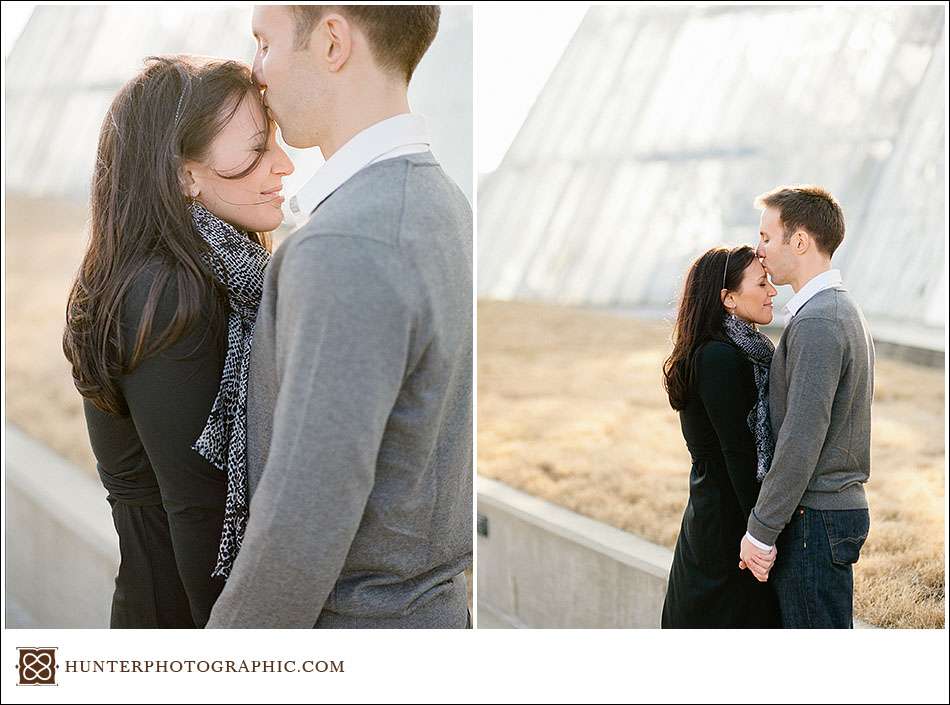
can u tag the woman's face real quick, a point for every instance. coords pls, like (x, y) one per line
(752, 302)
(251, 202)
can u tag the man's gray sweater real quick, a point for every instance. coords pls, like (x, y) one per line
(360, 413)
(820, 389)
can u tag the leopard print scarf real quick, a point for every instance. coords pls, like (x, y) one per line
(238, 265)
(758, 350)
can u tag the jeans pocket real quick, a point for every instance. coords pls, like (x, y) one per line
(847, 531)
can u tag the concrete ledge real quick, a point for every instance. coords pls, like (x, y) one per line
(544, 566)
(488, 618)
(62, 553)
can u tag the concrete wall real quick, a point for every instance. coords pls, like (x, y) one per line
(62, 553)
(541, 565)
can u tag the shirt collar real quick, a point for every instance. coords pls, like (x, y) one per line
(401, 134)
(818, 283)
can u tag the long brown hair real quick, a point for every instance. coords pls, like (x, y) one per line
(699, 316)
(170, 112)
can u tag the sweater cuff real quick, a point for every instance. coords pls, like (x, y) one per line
(761, 532)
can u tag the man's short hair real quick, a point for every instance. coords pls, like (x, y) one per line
(808, 208)
(399, 35)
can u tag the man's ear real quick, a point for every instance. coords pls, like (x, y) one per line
(338, 41)
(801, 241)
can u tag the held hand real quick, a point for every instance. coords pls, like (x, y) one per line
(762, 569)
(757, 561)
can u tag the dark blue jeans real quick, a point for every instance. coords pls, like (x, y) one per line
(813, 576)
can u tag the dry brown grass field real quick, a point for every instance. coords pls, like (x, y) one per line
(44, 244)
(571, 408)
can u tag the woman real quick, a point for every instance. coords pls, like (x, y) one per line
(159, 323)
(717, 378)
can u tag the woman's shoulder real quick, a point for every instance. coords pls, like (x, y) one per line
(719, 355)
(154, 273)
(716, 349)
(159, 282)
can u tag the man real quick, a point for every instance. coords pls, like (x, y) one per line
(812, 501)
(360, 399)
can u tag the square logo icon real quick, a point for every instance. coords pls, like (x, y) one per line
(37, 665)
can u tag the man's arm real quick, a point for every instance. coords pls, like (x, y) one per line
(345, 318)
(815, 354)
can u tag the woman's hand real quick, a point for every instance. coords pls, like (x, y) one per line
(757, 561)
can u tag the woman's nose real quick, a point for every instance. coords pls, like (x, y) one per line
(283, 165)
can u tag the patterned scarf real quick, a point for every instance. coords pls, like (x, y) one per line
(758, 350)
(238, 265)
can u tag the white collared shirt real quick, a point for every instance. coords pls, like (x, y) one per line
(818, 283)
(815, 285)
(393, 137)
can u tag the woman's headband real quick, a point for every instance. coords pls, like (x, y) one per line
(178, 109)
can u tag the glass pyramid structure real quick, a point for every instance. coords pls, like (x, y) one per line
(660, 125)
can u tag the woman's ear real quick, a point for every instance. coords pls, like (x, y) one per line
(189, 187)
(728, 301)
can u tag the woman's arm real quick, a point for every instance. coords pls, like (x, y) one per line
(170, 396)
(720, 379)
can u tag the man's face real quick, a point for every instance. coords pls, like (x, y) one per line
(776, 255)
(292, 80)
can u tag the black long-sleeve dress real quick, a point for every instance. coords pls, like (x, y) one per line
(167, 501)
(706, 587)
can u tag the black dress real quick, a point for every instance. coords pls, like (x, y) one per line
(167, 501)
(706, 586)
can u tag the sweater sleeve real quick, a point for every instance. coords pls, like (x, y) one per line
(719, 382)
(814, 360)
(345, 318)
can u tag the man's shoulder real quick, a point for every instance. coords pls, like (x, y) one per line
(368, 205)
(315, 257)
(378, 202)
(315, 249)
(831, 319)
(829, 306)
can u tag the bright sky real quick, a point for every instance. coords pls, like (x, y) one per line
(509, 77)
(15, 15)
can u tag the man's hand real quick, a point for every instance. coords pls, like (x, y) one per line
(756, 560)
